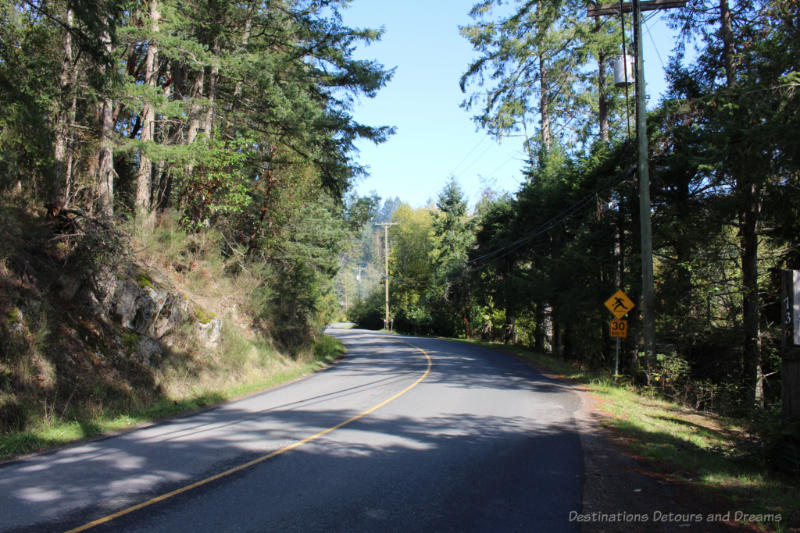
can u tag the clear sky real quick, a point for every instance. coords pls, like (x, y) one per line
(436, 138)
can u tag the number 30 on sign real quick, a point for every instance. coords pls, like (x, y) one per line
(619, 329)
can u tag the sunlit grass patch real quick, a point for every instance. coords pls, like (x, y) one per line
(328, 349)
(265, 369)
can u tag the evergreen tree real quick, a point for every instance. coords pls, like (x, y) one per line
(537, 59)
(450, 295)
(237, 115)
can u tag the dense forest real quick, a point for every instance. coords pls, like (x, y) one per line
(232, 116)
(167, 163)
(535, 267)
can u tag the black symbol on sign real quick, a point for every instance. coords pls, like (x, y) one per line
(619, 304)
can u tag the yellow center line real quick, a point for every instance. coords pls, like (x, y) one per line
(248, 464)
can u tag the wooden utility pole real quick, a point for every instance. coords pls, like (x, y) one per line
(345, 293)
(648, 291)
(386, 268)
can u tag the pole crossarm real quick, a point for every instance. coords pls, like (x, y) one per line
(627, 7)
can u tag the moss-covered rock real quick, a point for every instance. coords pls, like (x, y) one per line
(144, 280)
(204, 316)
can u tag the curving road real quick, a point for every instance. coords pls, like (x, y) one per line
(404, 434)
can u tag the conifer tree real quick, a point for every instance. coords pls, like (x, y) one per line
(532, 63)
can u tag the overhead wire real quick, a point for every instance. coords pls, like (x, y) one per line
(474, 161)
(577, 207)
(504, 163)
(652, 40)
(470, 153)
(556, 220)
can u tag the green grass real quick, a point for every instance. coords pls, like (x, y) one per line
(48, 434)
(327, 350)
(707, 451)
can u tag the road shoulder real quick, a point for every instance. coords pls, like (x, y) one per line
(622, 492)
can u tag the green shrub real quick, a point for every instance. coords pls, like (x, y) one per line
(368, 313)
(671, 373)
(12, 417)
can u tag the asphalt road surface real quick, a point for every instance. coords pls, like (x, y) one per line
(403, 434)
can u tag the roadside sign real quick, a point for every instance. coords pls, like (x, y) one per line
(791, 307)
(619, 329)
(619, 304)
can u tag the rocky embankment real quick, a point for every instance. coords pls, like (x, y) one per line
(86, 328)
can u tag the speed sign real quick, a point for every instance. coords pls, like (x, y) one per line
(619, 329)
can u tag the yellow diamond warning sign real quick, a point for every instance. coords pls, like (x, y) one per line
(619, 304)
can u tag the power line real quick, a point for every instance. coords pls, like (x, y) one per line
(469, 153)
(504, 163)
(553, 222)
(474, 161)
(655, 46)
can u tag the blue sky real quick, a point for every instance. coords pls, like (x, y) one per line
(435, 138)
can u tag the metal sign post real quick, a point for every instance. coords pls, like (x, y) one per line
(620, 305)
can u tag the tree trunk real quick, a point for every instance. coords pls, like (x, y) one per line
(70, 163)
(194, 113)
(750, 300)
(602, 104)
(753, 377)
(726, 31)
(194, 117)
(556, 336)
(509, 328)
(544, 104)
(208, 121)
(59, 194)
(105, 160)
(252, 243)
(162, 130)
(248, 24)
(105, 157)
(539, 332)
(144, 177)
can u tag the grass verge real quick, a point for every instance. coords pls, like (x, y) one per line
(708, 452)
(48, 433)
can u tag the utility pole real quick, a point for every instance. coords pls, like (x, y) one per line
(386, 268)
(648, 291)
(345, 294)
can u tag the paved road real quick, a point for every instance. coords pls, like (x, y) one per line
(404, 434)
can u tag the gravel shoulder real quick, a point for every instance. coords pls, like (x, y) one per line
(623, 492)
